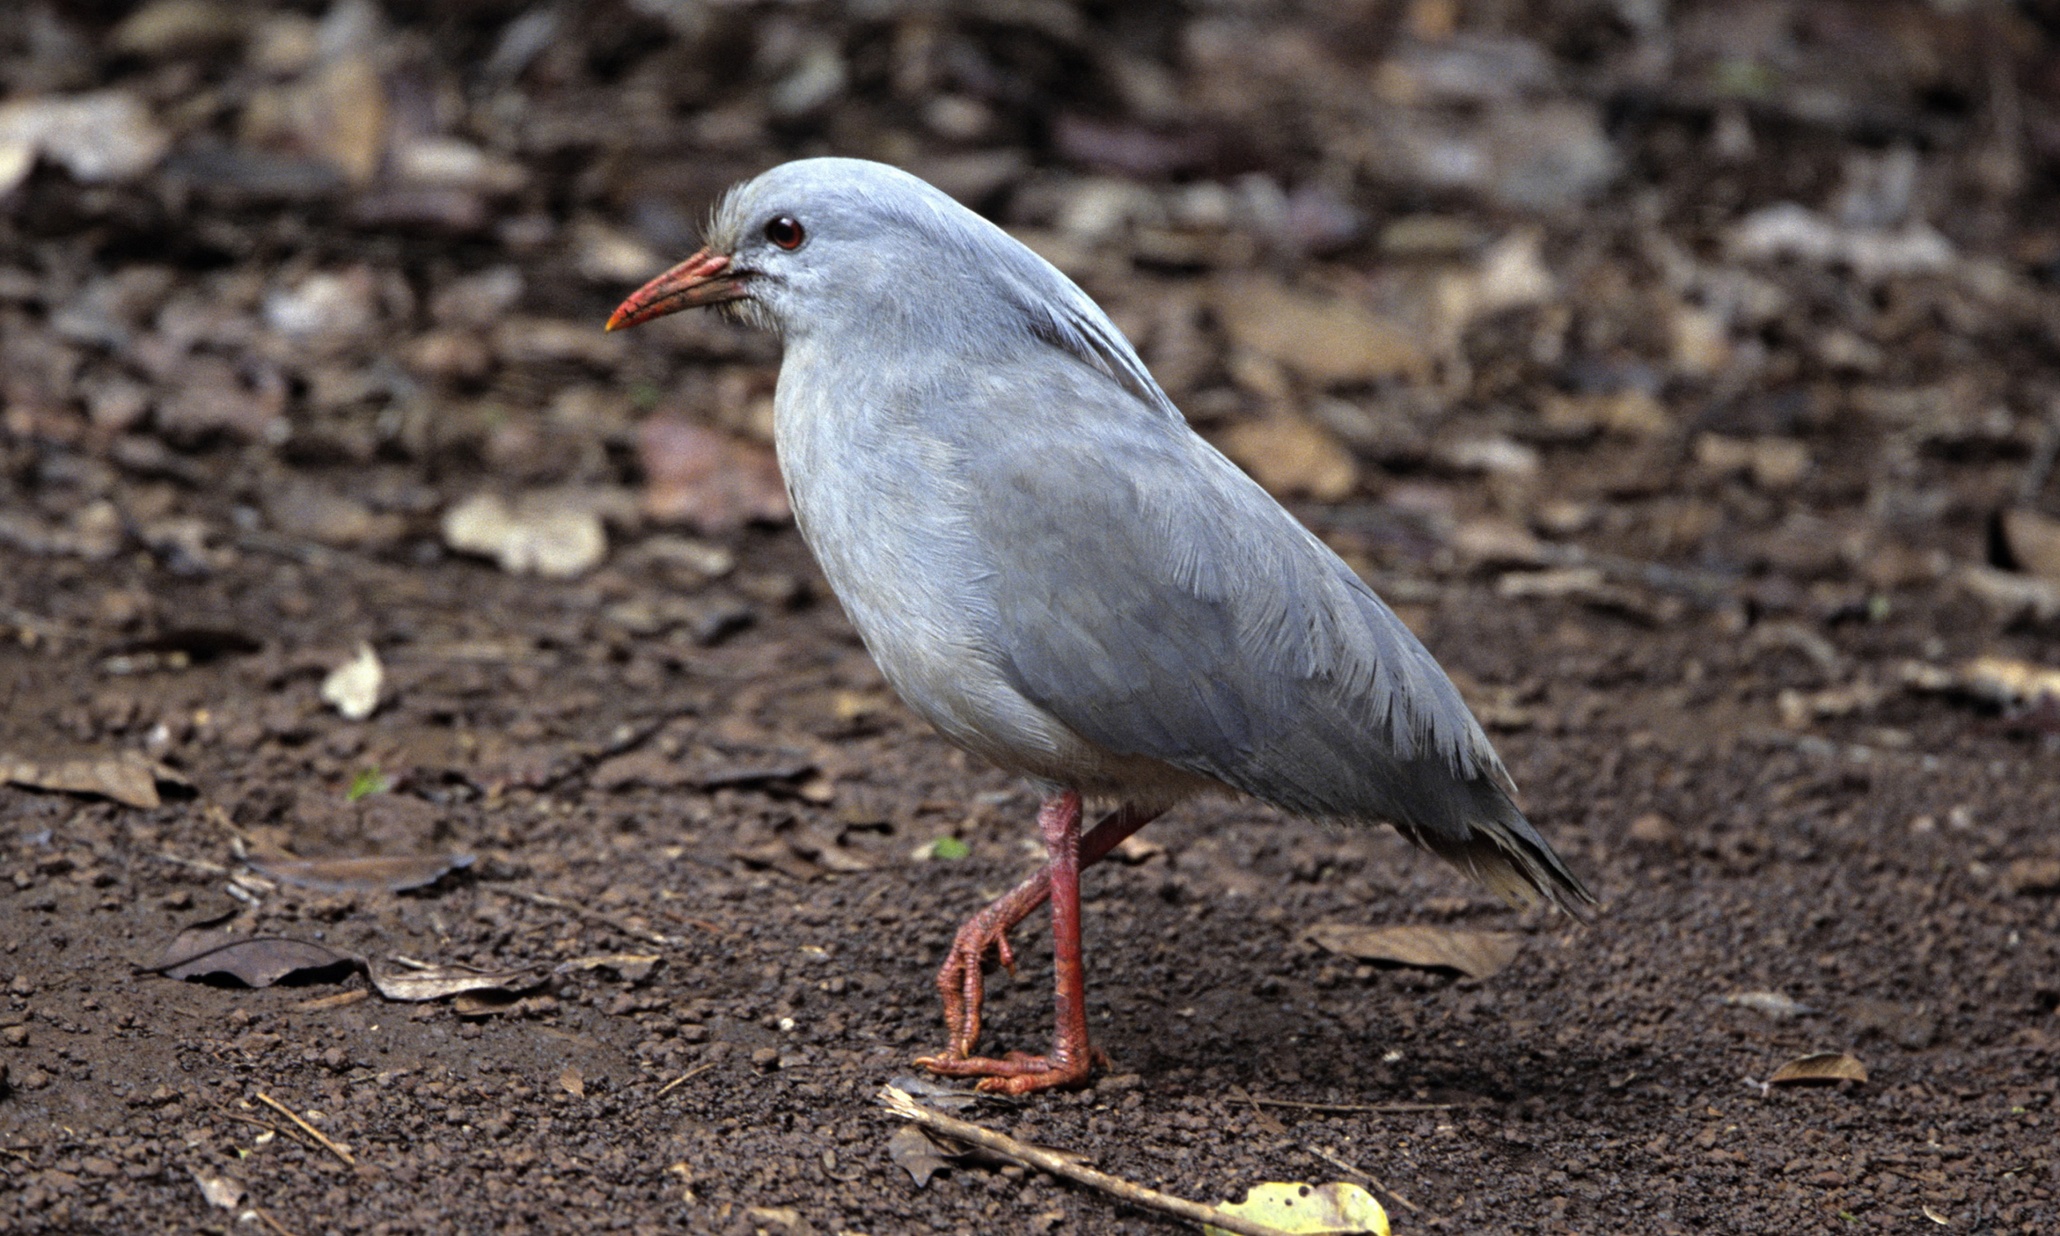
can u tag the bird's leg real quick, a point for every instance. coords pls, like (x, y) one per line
(1071, 1056)
(960, 980)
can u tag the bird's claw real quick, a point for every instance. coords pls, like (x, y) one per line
(961, 982)
(1019, 1072)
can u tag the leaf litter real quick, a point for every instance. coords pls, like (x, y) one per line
(1475, 954)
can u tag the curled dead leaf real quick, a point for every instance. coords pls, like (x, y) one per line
(437, 982)
(1476, 954)
(124, 777)
(254, 961)
(1822, 1066)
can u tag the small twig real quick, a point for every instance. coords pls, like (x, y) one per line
(306, 1128)
(897, 1101)
(592, 915)
(1394, 1108)
(685, 1077)
(1369, 1178)
(266, 1217)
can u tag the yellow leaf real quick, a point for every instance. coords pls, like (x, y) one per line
(1310, 1210)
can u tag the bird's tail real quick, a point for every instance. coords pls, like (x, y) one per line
(1500, 848)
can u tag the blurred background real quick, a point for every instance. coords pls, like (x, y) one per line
(1775, 276)
(1683, 372)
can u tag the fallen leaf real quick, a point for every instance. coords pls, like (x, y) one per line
(1772, 1003)
(917, 1153)
(1329, 341)
(126, 778)
(1823, 1066)
(361, 875)
(437, 982)
(353, 687)
(2032, 876)
(488, 1003)
(1293, 457)
(254, 961)
(98, 137)
(221, 1192)
(2002, 680)
(536, 535)
(2034, 541)
(1340, 1209)
(943, 847)
(1476, 954)
(629, 967)
(1773, 463)
(573, 1082)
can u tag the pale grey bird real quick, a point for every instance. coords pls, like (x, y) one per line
(1060, 575)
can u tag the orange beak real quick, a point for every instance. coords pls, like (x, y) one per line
(695, 282)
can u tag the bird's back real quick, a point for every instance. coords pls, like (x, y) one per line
(1108, 577)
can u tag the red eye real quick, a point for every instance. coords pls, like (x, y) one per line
(785, 231)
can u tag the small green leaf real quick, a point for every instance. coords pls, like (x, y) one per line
(368, 781)
(1339, 1209)
(949, 847)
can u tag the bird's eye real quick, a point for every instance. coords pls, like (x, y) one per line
(785, 231)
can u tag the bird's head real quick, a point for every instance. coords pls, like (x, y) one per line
(877, 263)
(806, 239)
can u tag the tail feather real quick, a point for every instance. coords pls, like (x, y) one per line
(1503, 851)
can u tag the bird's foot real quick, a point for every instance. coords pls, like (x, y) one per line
(961, 981)
(1020, 1072)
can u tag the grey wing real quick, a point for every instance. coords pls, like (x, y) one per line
(1161, 604)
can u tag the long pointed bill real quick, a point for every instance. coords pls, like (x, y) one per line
(694, 282)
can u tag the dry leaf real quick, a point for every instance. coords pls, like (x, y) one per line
(1340, 1209)
(573, 1082)
(1476, 954)
(2034, 541)
(1327, 340)
(630, 967)
(2002, 680)
(254, 961)
(917, 1153)
(1293, 457)
(221, 1192)
(437, 982)
(554, 538)
(361, 875)
(353, 687)
(126, 778)
(1823, 1066)
(1772, 1003)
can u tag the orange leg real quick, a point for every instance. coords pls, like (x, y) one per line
(960, 981)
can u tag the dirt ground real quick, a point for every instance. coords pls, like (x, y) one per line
(1682, 375)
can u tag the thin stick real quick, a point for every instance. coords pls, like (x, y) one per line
(573, 907)
(270, 1222)
(1356, 1107)
(306, 1128)
(1368, 1177)
(683, 1078)
(897, 1101)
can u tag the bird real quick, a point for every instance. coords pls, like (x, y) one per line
(1049, 565)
